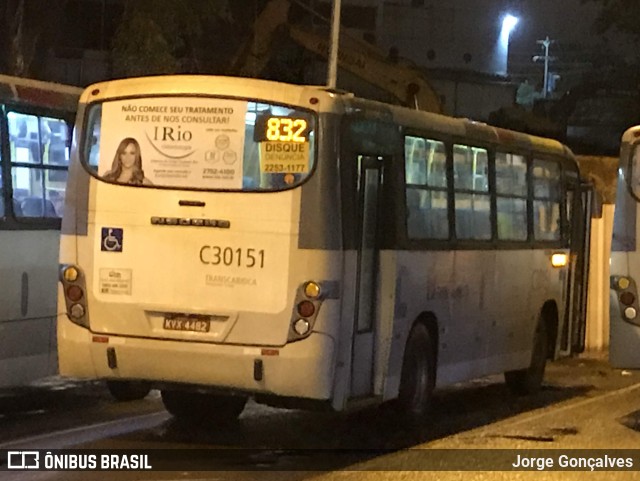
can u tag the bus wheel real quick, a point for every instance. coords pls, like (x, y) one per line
(202, 407)
(529, 380)
(418, 375)
(128, 390)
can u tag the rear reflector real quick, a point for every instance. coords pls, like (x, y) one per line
(270, 352)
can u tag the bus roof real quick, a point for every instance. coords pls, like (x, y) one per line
(240, 87)
(465, 128)
(321, 99)
(39, 93)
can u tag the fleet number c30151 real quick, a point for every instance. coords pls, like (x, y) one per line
(230, 256)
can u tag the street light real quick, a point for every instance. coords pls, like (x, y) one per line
(509, 22)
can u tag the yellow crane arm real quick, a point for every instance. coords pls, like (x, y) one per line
(402, 80)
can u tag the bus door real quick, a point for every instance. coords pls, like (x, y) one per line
(369, 190)
(579, 207)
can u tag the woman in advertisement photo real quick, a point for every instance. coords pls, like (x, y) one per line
(127, 164)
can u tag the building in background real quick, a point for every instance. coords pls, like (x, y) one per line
(458, 44)
(464, 35)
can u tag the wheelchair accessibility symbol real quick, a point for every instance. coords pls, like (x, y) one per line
(111, 239)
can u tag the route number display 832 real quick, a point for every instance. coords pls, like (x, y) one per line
(281, 129)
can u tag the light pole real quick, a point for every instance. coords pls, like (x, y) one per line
(545, 44)
(332, 73)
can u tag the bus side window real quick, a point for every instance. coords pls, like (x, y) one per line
(471, 186)
(426, 188)
(511, 196)
(546, 200)
(39, 161)
(54, 141)
(416, 216)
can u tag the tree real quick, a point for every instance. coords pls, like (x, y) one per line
(619, 65)
(175, 36)
(25, 28)
(622, 15)
(168, 36)
(140, 48)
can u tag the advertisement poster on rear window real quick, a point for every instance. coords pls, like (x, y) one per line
(175, 141)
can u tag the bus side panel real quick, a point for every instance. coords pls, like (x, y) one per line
(347, 293)
(28, 282)
(391, 325)
(27, 317)
(486, 316)
(516, 300)
(451, 287)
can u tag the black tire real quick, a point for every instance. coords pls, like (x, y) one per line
(529, 380)
(418, 375)
(128, 390)
(206, 408)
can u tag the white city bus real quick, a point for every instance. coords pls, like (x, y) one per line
(36, 119)
(624, 319)
(232, 237)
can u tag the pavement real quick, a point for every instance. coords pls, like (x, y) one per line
(594, 434)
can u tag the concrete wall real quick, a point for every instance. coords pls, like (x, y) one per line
(597, 335)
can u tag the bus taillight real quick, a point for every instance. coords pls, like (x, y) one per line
(70, 274)
(301, 327)
(627, 296)
(308, 300)
(76, 312)
(306, 309)
(73, 286)
(312, 290)
(74, 293)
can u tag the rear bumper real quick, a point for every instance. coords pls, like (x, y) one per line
(302, 369)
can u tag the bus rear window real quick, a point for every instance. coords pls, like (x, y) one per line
(200, 143)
